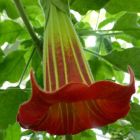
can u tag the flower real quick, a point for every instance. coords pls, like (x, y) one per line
(71, 100)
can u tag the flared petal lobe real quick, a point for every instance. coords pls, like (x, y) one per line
(76, 106)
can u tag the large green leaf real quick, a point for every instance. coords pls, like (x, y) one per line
(13, 132)
(9, 7)
(10, 100)
(82, 6)
(12, 67)
(129, 24)
(134, 116)
(10, 31)
(115, 6)
(121, 59)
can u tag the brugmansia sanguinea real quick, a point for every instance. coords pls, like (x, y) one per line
(71, 100)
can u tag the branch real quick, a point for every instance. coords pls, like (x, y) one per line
(31, 31)
(95, 54)
(99, 32)
(25, 69)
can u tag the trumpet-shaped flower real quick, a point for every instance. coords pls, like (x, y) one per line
(71, 100)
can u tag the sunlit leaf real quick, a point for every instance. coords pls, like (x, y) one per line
(121, 59)
(83, 6)
(9, 7)
(129, 24)
(13, 132)
(115, 6)
(12, 67)
(85, 135)
(10, 31)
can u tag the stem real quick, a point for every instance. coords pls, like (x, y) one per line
(22, 76)
(31, 31)
(98, 33)
(68, 137)
(99, 56)
(95, 54)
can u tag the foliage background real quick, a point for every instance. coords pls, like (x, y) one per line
(116, 45)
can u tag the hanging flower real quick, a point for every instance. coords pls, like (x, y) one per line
(71, 100)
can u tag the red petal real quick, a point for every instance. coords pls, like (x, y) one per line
(76, 106)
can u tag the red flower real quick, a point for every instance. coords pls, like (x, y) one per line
(71, 101)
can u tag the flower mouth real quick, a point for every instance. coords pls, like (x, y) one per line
(76, 106)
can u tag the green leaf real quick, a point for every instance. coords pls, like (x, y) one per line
(82, 6)
(30, 2)
(10, 31)
(9, 7)
(138, 90)
(12, 67)
(119, 75)
(58, 138)
(1, 55)
(121, 59)
(134, 116)
(135, 134)
(10, 100)
(110, 19)
(88, 134)
(107, 44)
(114, 6)
(13, 132)
(61, 4)
(1, 135)
(34, 12)
(38, 68)
(129, 24)
(105, 22)
(136, 100)
(100, 69)
(84, 26)
(85, 135)
(119, 130)
(46, 7)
